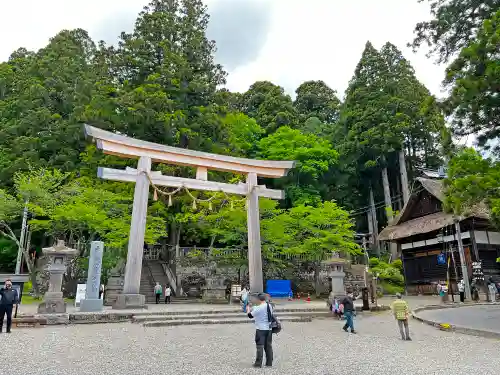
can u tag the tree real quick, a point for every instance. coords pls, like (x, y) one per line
(43, 95)
(472, 181)
(316, 99)
(269, 106)
(454, 24)
(314, 233)
(474, 78)
(315, 156)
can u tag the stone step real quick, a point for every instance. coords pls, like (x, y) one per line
(192, 321)
(235, 310)
(227, 315)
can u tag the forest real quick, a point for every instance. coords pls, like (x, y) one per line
(161, 83)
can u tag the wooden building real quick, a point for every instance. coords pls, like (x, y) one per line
(425, 235)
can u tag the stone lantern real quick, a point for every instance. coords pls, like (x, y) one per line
(337, 275)
(53, 301)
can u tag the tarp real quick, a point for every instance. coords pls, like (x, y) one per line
(279, 288)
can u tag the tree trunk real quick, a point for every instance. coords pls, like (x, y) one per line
(317, 269)
(387, 194)
(374, 223)
(404, 176)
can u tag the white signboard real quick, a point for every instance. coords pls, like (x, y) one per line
(80, 293)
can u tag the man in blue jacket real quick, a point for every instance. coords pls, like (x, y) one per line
(8, 298)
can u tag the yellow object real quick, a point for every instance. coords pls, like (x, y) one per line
(400, 309)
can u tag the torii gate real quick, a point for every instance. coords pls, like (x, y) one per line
(146, 152)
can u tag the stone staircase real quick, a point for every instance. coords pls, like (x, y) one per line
(167, 319)
(152, 272)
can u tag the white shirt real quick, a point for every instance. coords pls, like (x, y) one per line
(167, 292)
(244, 294)
(261, 319)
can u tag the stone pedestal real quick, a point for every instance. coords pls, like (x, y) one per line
(92, 302)
(130, 301)
(214, 290)
(113, 289)
(53, 301)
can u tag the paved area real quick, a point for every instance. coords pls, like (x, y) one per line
(474, 317)
(282, 303)
(316, 348)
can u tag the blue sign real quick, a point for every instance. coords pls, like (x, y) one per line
(441, 259)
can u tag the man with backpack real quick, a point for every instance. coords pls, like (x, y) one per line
(261, 312)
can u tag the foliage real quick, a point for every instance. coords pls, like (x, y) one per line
(453, 25)
(389, 275)
(474, 76)
(8, 255)
(314, 156)
(473, 180)
(314, 232)
(316, 99)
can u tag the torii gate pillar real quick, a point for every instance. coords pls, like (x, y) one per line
(147, 152)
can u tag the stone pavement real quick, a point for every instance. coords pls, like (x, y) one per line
(281, 303)
(317, 348)
(482, 317)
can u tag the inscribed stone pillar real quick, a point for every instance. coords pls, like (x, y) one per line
(254, 249)
(92, 302)
(130, 298)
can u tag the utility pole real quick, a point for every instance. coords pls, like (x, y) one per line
(22, 240)
(465, 272)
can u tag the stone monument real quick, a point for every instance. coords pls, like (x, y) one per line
(214, 290)
(115, 283)
(92, 302)
(337, 274)
(58, 256)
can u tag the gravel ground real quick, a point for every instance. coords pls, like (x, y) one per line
(319, 347)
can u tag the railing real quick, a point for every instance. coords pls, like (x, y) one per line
(152, 253)
(150, 273)
(170, 276)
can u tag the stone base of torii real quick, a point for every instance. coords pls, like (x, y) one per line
(146, 152)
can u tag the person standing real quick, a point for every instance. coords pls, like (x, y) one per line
(168, 292)
(348, 303)
(8, 298)
(263, 334)
(401, 311)
(244, 299)
(461, 290)
(158, 292)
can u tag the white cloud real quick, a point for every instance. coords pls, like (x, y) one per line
(314, 39)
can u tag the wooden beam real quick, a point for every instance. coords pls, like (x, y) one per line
(120, 145)
(130, 175)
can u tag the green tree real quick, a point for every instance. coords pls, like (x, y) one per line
(269, 106)
(42, 96)
(315, 156)
(474, 79)
(314, 233)
(316, 99)
(453, 26)
(471, 182)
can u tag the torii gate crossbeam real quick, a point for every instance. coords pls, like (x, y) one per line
(146, 152)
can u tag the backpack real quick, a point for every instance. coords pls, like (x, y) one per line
(274, 322)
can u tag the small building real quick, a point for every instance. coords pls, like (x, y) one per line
(427, 241)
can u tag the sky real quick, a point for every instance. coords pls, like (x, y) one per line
(283, 41)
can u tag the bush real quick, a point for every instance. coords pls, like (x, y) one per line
(390, 275)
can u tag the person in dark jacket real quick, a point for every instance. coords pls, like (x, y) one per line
(348, 303)
(9, 298)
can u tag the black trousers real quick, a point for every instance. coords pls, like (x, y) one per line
(264, 343)
(158, 295)
(167, 299)
(462, 296)
(6, 309)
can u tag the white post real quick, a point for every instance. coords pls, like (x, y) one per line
(253, 223)
(461, 252)
(131, 297)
